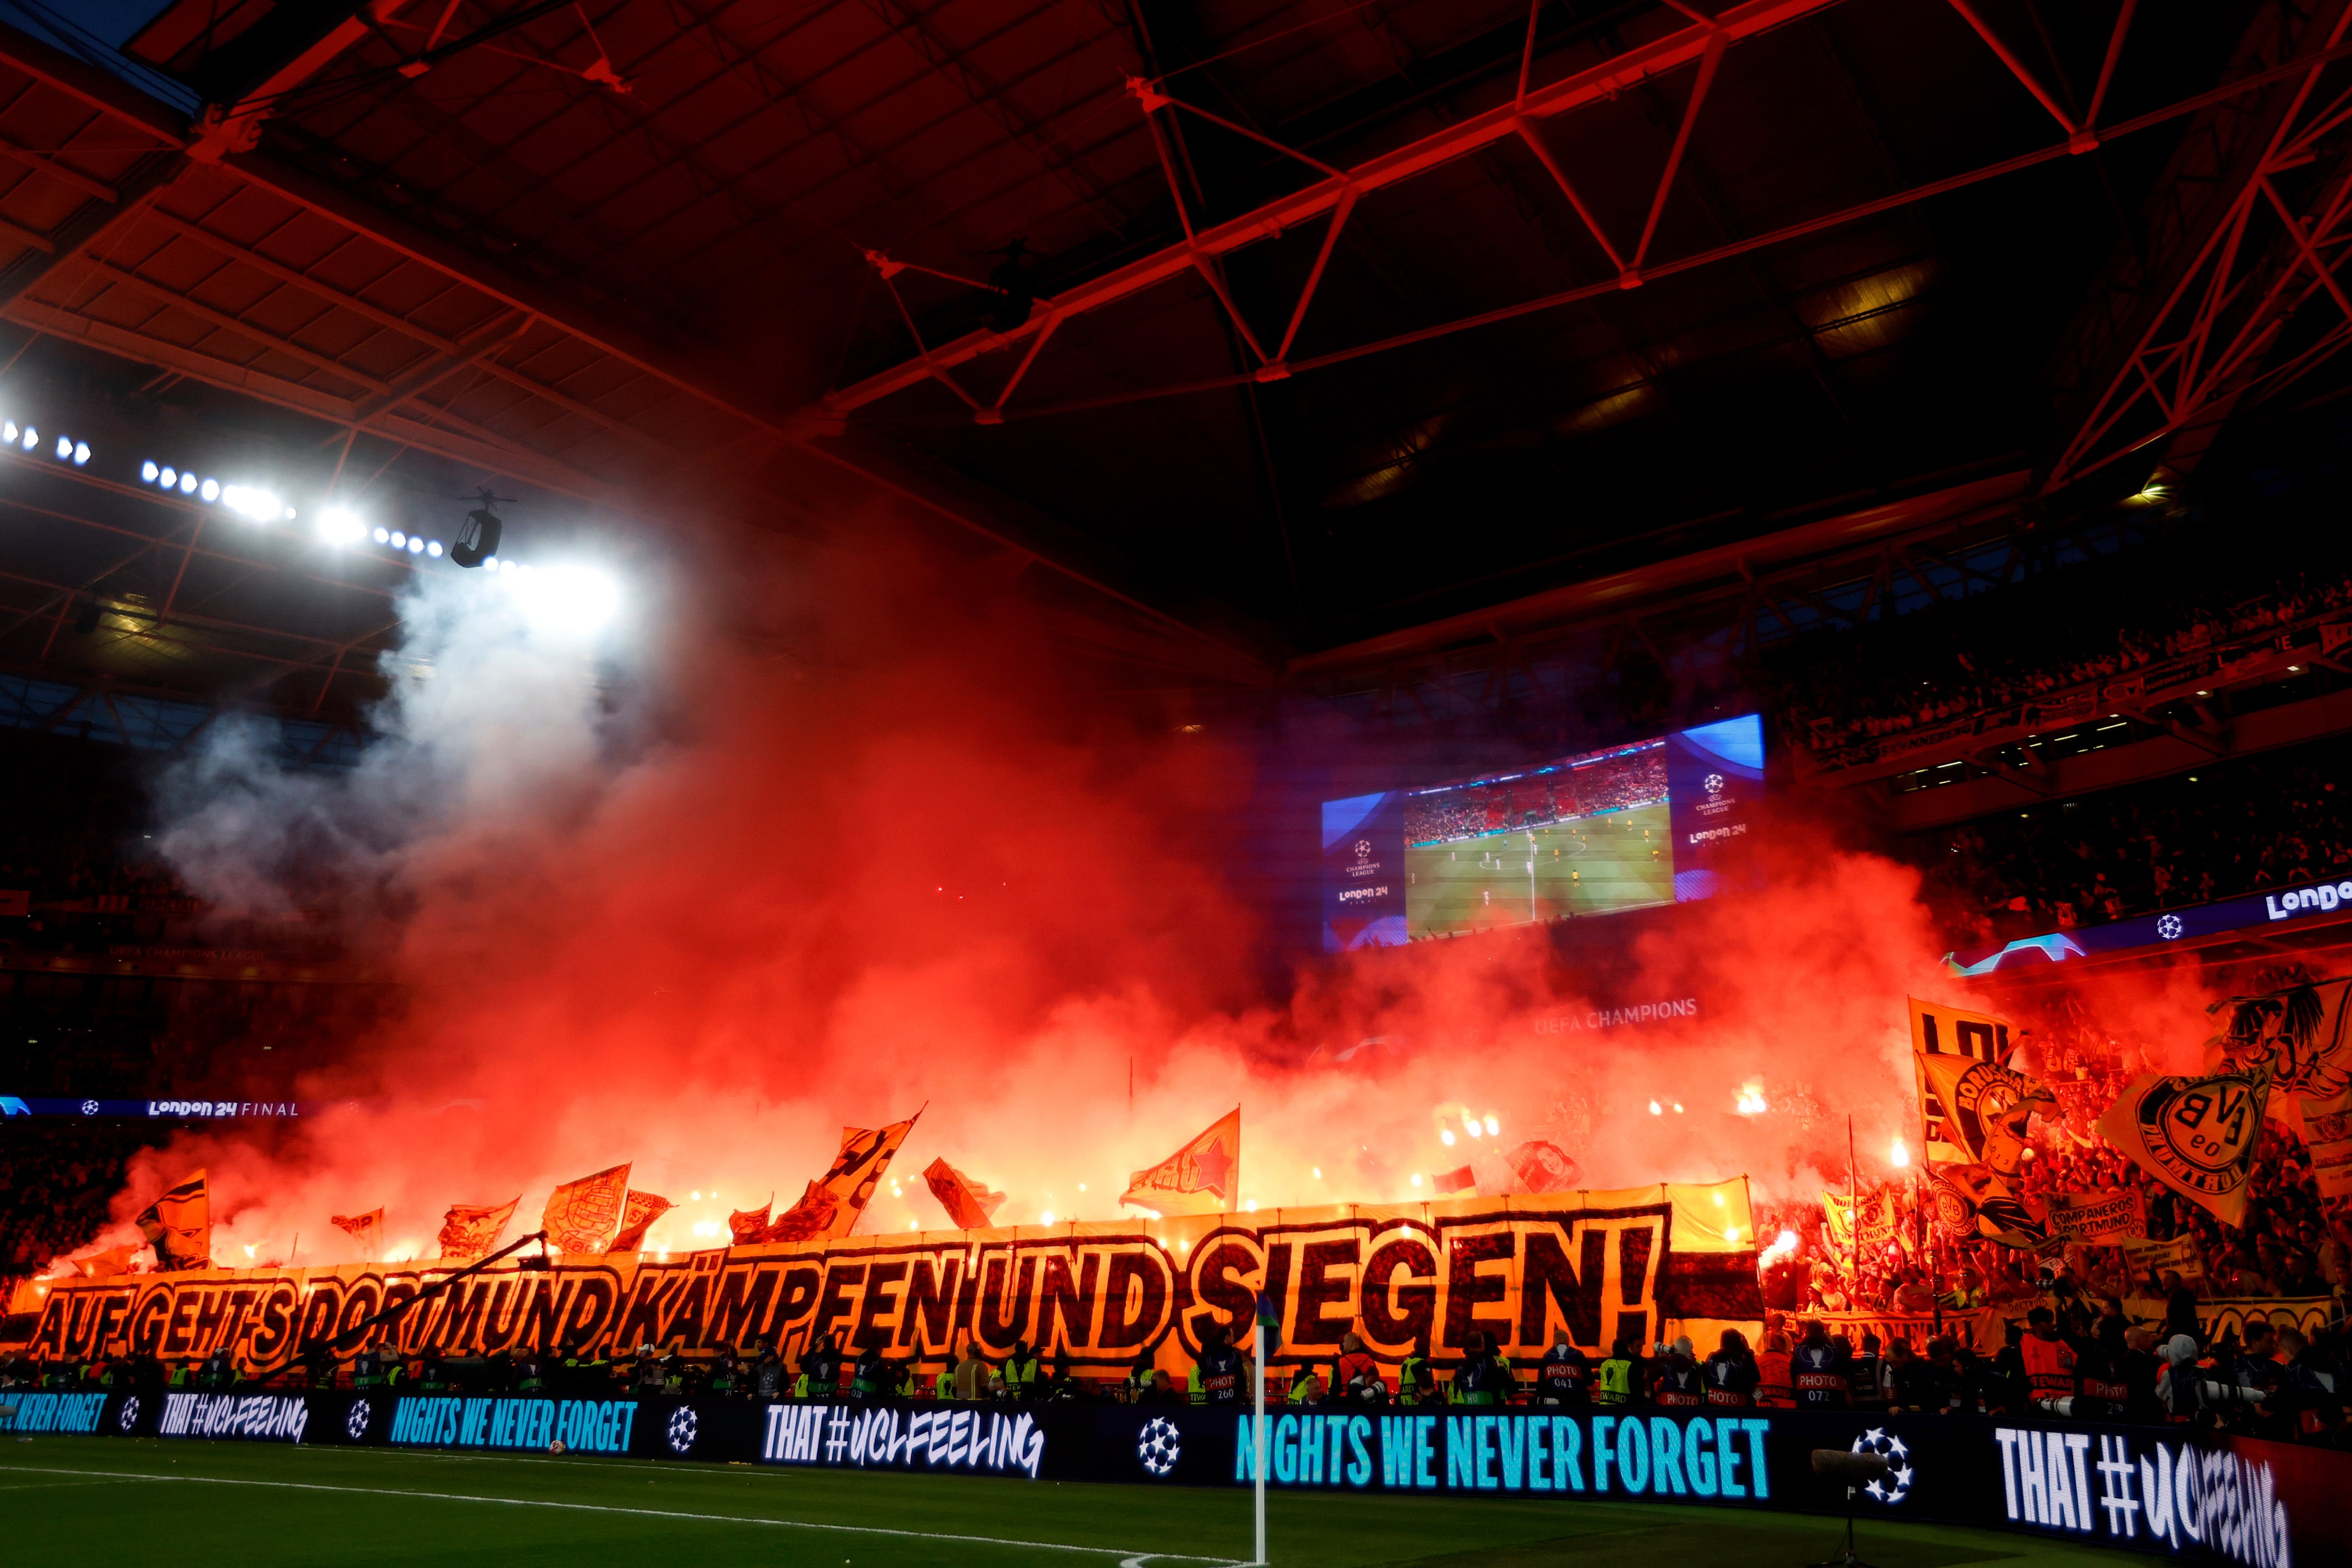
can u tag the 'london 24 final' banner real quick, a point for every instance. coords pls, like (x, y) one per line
(1599, 1264)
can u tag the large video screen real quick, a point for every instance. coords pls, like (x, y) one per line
(1627, 827)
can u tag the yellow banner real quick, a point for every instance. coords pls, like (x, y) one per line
(1601, 1264)
(2196, 1135)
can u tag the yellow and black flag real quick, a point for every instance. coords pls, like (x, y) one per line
(1204, 1176)
(367, 1230)
(1940, 1030)
(644, 1208)
(580, 1215)
(970, 1203)
(179, 1226)
(832, 1203)
(469, 1230)
(2196, 1135)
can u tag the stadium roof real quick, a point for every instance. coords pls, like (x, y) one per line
(1347, 317)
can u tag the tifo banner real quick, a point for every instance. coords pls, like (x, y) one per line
(1600, 1264)
(2102, 1218)
(2297, 1034)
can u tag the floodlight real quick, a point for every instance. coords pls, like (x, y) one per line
(417, 544)
(489, 563)
(212, 491)
(170, 479)
(340, 525)
(249, 502)
(9, 431)
(399, 539)
(434, 549)
(65, 447)
(382, 536)
(148, 471)
(573, 600)
(188, 483)
(82, 453)
(32, 438)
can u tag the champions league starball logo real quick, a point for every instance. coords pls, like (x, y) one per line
(90, 1107)
(355, 1421)
(1715, 783)
(1880, 1443)
(2170, 928)
(684, 1427)
(128, 1417)
(1160, 1445)
(1363, 849)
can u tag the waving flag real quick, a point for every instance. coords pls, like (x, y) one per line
(644, 1208)
(367, 1230)
(469, 1230)
(835, 1201)
(1939, 1030)
(1978, 1113)
(580, 1215)
(105, 1265)
(1204, 1176)
(179, 1226)
(2196, 1135)
(969, 1203)
(1543, 1167)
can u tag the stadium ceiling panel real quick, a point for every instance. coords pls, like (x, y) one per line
(1279, 326)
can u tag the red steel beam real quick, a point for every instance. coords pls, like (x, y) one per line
(1669, 52)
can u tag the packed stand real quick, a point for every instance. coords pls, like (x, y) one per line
(2027, 640)
(2245, 826)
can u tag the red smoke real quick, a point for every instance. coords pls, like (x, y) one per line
(790, 897)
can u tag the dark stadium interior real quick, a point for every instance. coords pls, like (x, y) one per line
(1320, 399)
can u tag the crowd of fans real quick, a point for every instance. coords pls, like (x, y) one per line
(1537, 799)
(2030, 641)
(2259, 822)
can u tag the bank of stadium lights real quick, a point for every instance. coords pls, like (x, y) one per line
(67, 450)
(249, 501)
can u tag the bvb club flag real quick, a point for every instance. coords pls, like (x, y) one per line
(367, 1230)
(1204, 1176)
(969, 1203)
(834, 1202)
(637, 1218)
(1940, 1030)
(1982, 1111)
(580, 1215)
(1880, 1226)
(469, 1230)
(179, 1226)
(2196, 1135)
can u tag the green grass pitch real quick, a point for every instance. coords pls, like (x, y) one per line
(142, 1502)
(1592, 866)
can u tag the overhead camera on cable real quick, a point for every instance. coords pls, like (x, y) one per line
(478, 535)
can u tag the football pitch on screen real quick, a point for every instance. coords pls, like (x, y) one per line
(1588, 865)
(148, 1501)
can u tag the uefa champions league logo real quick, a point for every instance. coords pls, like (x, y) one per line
(1363, 849)
(128, 1417)
(355, 1421)
(90, 1107)
(1715, 783)
(2170, 928)
(1160, 1447)
(1883, 1444)
(684, 1427)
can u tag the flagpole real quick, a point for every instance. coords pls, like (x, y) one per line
(1257, 1377)
(1852, 1203)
